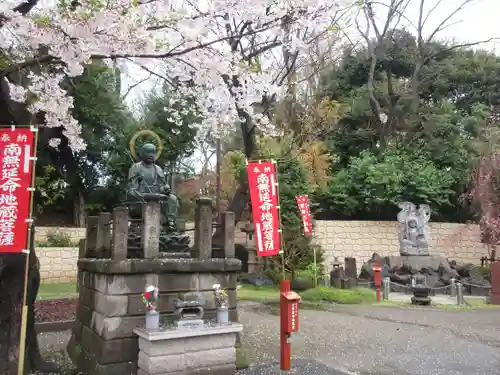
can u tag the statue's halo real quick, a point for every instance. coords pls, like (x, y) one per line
(141, 133)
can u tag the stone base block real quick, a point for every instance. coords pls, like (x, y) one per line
(88, 365)
(209, 350)
(219, 370)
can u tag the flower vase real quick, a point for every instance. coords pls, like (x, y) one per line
(152, 320)
(222, 315)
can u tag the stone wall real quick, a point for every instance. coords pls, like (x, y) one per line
(58, 264)
(75, 234)
(360, 239)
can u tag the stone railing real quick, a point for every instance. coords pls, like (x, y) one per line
(107, 234)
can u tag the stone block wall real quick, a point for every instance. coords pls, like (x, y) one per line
(110, 304)
(58, 264)
(360, 239)
(78, 233)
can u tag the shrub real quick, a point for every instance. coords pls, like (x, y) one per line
(311, 271)
(57, 239)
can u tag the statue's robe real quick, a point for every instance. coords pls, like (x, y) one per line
(143, 179)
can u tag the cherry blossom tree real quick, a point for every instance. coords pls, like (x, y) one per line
(485, 182)
(212, 50)
(216, 55)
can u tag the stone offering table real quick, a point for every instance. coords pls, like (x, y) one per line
(110, 304)
(209, 350)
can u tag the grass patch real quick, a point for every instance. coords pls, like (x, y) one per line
(248, 292)
(311, 298)
(340, 296)
(55, 291)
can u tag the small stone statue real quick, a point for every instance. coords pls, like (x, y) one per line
(414, 237)
(146, 182)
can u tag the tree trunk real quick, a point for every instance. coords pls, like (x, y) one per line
(78, 210)
(12, 266)
(11, 298)
(11, 294)
(241, 196)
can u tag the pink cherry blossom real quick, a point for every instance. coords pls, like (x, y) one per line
(222, 53)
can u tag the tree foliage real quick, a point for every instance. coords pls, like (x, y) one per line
(423, 154)
(293, 181)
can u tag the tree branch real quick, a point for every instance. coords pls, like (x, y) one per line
(131, 87)
(24, 8)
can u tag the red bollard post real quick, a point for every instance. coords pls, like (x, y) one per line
(377, 279)
(289, 322)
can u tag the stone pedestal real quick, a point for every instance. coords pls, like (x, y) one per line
(209, 351)
(255, 264)
(110, 305)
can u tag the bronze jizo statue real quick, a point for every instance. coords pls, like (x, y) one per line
(146, 182)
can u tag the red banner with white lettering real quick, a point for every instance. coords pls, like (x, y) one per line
(262, 181)
(305, 213)
(16, 149)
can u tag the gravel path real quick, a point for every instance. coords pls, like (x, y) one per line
(383, 341)
(370, 341)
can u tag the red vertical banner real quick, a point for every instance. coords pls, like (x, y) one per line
(16, 150)
(305, 213)
(262, 182)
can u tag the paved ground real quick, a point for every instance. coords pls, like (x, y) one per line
(440, 299)
(301, 367)
(384, 341)
(371, 341)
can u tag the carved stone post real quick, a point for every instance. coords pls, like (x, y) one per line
(120, 233)
(91, 236)
(151, 236)
(351, 270)
(82, 247)
(103, 235)
(203, 228)
(228, 223)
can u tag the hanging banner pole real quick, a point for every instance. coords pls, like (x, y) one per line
(282, 241)
(17, 180)
(24, 320)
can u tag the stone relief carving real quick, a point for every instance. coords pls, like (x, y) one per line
(414, 234)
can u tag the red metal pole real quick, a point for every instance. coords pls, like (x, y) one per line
(377, 278)
(285, 350)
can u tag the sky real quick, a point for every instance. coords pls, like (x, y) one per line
(474, 23)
